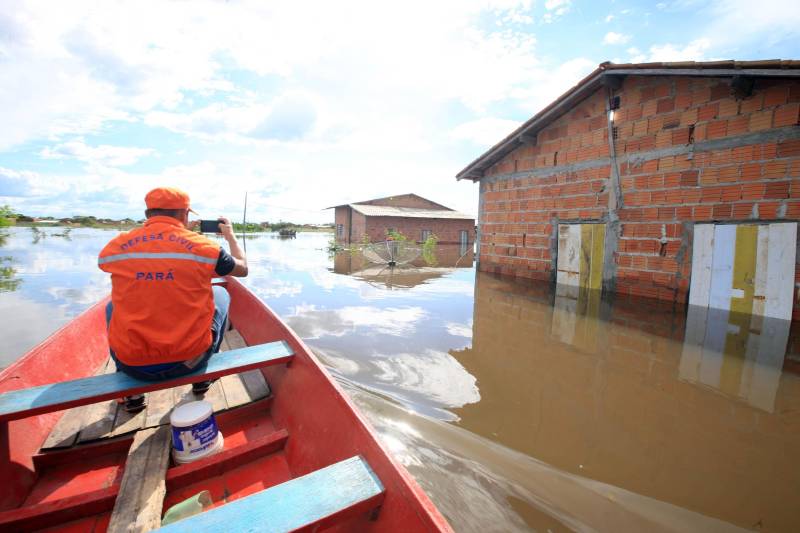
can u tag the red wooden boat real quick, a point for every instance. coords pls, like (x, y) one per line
(304, 425)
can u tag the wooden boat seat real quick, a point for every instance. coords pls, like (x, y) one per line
(311, 502)
(57, 396)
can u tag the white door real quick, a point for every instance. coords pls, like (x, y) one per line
(744, 268)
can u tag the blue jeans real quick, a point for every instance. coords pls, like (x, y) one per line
(222, 301)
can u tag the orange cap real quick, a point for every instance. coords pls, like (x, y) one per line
(167, 198)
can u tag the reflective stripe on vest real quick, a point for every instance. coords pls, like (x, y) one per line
(157, 255)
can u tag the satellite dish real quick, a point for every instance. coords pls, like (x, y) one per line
(391, 252)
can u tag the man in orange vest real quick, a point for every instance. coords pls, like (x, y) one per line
(165, 319)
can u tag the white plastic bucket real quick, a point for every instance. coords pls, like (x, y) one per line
(194, 432)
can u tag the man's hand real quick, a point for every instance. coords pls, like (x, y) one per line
(193, 225)
(226, 228)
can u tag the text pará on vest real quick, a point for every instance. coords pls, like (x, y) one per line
(155, 276)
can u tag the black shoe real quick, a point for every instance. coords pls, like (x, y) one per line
(135, 403)
(201, 387)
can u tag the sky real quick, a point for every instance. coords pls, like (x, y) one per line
(307, 105)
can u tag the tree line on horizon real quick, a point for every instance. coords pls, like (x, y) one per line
(8, 217)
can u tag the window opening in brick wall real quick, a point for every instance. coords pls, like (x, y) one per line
(464, 237)
(340, 230)
(425, 234)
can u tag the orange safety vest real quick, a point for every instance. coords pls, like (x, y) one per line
(161, 290)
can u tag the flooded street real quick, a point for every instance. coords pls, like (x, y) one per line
(515, 409)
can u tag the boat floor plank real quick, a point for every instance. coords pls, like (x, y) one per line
(235, 391)
(99, 418)
(159, 405)
(128, 422)
(141, 495)
(216, 396)
(255, 384)
(65, 432)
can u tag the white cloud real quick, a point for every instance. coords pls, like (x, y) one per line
(557, 5)
(737, 25)
(693, 51)
(636, 56)
(734, 31)
(613, 37)
(119, 58)
(485, 131)
(609, 18)
(105, 155)
(338, 98)
(459, 330)
(556, 9)
(15, 183)
(282, 109)
(549, 83)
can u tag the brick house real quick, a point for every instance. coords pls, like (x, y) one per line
(663, 160)
(413, 216)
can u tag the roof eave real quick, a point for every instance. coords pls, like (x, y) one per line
(770, 68)
(475, 169)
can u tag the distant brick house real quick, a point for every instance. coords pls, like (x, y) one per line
(409, 214)
(633, 179)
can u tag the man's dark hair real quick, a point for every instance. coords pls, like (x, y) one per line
(174, 213)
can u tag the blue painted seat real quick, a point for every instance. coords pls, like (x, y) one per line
(311, 502)
(57, 396)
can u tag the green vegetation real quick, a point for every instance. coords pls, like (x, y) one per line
(429, 250)
(251, 227)
(358, 247)
(8, 282)
(254, 227)
(10, 217)
(335, 247)
(395, 236)
(7, 216)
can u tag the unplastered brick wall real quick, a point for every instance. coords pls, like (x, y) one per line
(448, 231)
(341, 217)
(563, 176)
(359, 223)
(688, 150)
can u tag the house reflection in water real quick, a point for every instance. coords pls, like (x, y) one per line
(739, 355)
(628, 393)
(445, 259)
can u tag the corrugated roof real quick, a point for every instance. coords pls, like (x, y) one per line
(388, 211)
(764, 68)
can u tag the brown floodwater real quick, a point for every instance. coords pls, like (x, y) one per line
(514, 408)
